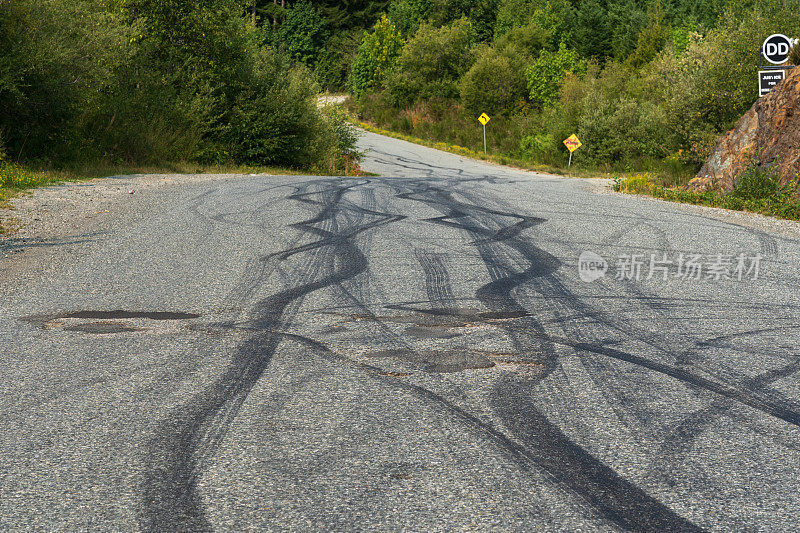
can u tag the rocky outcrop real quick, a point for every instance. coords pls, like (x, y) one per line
(769, 134)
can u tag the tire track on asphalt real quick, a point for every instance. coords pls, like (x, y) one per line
(611, 496)
(191, 432)
(437, 279)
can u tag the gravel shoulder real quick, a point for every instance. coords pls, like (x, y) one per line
(49, 217)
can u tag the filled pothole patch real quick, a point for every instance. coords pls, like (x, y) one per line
(101, 322)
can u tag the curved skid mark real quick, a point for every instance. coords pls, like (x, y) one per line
(610, 495)
(190, 433)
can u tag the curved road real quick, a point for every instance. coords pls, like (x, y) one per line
(416, 351)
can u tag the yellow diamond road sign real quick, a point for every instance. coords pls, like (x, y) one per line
(573, 143)
(484, 119)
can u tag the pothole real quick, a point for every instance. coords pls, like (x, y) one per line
(99, 322)
(102, 328)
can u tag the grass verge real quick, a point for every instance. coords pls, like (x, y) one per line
(756, 191)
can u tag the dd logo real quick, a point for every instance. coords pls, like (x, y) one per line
(776, 48)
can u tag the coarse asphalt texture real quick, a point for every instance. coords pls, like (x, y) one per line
(417, 351)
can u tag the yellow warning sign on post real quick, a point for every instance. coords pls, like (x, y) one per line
(484, 119)
(573, 143)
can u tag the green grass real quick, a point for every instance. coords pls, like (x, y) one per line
(757, 191)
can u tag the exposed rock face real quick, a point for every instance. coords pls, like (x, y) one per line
(768, 133)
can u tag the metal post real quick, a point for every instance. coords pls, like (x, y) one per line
(484, 139)
(570, 160)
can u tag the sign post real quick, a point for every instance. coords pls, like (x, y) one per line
(572, 143)
(484, 119)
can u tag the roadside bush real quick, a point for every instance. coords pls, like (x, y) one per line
(337, 141)
(756, 183)
(55, 57)
(547, 72)
(150, 82)
(492, 85)
(432, 62)
(537, 147)
(634, 184)
(376, 55)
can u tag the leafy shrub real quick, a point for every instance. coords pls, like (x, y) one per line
(547, 73)
(274, 120)
(432, 62)
(756, 183)
(496, 83)
(634, 183)
(376, 55)
(338, 142)
(536, 147)
(492, 85)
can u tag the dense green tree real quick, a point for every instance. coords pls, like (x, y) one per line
(432, 62)
(548, 71)
(493, 85)
(376, 56)
(482, 15)
(350, 14)
(409, 14)
(591, 36)
(303, 32)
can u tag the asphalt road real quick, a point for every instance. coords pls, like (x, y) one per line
(416, 351)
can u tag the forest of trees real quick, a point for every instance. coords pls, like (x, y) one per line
(644, 83)
(156, 81)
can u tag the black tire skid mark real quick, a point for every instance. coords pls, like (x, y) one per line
(610, 495)
(510, 449)
(683, 435)
(234, 218)
(414, 165)
(260, 269)
(437, 279)
(772, 407)
(192, 431)
(171, 500)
